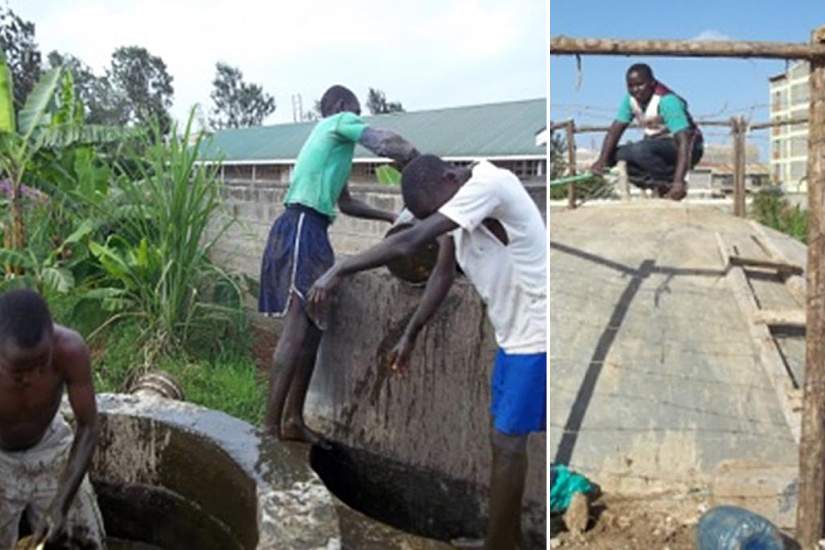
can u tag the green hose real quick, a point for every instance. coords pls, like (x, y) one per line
(580, 178)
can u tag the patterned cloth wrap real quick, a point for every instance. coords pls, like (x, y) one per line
(30, 480)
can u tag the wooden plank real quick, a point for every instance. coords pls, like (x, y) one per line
(793, 282)
(781, 317)
(571, 162)
(565, 45)
(769, 356)
(738, 133)
(624, 182)
(810, 510)
(776, 123)
(782, 267)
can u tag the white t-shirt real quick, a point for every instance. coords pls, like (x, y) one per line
(511, 279)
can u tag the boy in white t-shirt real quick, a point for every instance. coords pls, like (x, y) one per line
(487, 223)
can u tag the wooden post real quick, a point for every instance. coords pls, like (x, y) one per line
(738, 132)
(564, 45)
(570, 127)
(810, 512)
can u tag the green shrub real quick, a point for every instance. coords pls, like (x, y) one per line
(771, 209)
(163, 208)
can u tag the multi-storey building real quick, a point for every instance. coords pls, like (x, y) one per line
(790, 94)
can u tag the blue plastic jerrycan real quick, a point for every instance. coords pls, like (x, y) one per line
(734, 528)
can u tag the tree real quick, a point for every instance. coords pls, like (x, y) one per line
(22, 55)
(377, 103)
(140, 80)
(236, 103)
(103, 105)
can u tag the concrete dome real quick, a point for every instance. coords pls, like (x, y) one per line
(657, 383)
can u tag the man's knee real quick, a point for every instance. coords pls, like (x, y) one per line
(508, 444)
(634, 153)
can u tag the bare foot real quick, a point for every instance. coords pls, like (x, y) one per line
(293, 430)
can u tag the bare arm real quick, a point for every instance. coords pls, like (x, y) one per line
(351, 206)
(683, 155)
(73, 359)
(438, 285)
(80, 389)
(385, 143)
(611, 140)
(401, 244)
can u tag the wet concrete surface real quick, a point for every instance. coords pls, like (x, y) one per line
(360, 532)
(430, 428)
(189, 465)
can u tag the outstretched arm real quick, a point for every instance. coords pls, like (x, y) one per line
(438, 285)
(73, 357)
(401, 244)
(611, 140)
(385, 143)
(351, 206)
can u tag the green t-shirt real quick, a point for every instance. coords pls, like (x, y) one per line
(324, 163)
(671, 108)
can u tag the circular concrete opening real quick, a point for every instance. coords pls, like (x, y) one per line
(174, 475)
(415, 501)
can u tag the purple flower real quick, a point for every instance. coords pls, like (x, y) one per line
(28, 192)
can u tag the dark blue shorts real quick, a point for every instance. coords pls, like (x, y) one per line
(297, 253)
(519, 387)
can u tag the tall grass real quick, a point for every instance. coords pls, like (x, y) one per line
(156, 257)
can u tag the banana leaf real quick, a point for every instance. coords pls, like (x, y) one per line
(37, 104)
(6, 97)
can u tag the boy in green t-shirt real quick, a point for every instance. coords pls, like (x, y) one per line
(298, 250)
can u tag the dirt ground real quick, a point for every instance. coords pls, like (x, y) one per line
(654, 523)
(666, 522)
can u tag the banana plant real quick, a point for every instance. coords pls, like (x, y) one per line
(52, 117)
(47, 271)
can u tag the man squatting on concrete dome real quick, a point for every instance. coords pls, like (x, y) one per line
(42, 464)
(672, 144)
(487, 223)
(298, 250)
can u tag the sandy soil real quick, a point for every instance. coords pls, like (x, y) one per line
(655, 523)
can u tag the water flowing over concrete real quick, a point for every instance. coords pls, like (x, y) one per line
(177, 475)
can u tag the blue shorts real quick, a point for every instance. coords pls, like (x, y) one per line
(519, 387)
(297, 253)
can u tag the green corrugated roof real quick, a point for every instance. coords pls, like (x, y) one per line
(494, 129)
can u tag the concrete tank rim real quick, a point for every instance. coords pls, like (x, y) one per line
(246, 446)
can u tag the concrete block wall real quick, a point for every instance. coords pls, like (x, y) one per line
(256, 204)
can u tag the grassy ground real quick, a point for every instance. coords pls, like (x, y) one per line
(224, 380)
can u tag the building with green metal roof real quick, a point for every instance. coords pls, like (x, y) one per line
(505, 133)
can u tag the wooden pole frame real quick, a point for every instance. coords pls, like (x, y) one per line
(810, 511)
(810, 518)
(570, 128)
(686, 48)
(738, 128)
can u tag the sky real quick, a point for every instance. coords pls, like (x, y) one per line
(713, 87)
(426, 54)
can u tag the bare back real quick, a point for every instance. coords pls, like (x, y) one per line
(28, 402)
